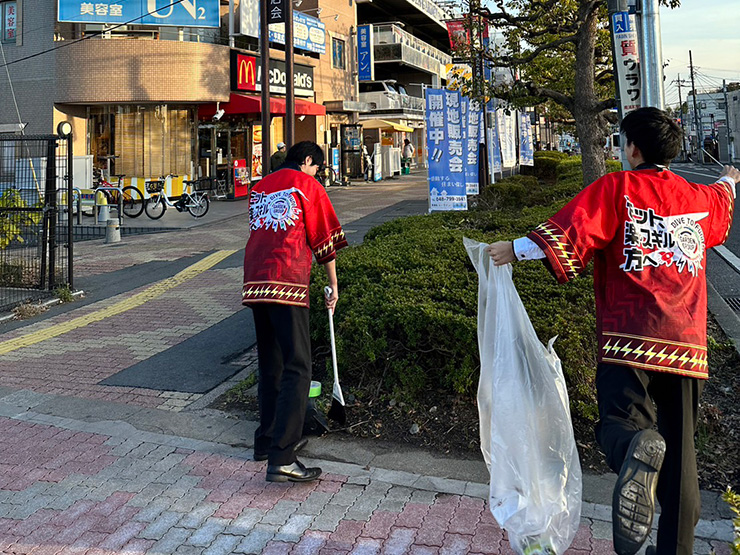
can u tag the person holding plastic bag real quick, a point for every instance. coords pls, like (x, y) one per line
(648, 231)
(525, 426)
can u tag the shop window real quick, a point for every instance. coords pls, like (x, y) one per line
(9, 23)
(145, 141)
(337, 54)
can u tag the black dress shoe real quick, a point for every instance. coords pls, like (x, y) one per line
(295, 472)
(633, 503)
(260, 456)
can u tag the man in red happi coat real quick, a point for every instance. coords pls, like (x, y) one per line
(647, 231)
(291, 220)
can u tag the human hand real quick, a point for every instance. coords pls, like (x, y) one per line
(331, 295)
(502, 252)
(731, 172)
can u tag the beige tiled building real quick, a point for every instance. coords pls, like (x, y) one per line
(141, 98)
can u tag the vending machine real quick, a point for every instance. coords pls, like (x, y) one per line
(351, 146)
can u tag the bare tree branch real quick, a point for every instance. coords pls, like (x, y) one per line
(561, 98)
(605, 105)
(602, 75)
(505, 61)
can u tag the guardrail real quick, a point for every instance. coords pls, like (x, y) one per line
(119, 203)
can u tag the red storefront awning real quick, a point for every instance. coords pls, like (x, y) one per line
(241, 104)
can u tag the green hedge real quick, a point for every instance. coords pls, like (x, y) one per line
(406, 320)
(545, 164)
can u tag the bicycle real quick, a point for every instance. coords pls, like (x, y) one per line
(132, 200)
(196, 203)
(222, 189)
(218, 188)
(327, 176)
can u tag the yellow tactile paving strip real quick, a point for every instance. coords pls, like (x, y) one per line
(134, 301)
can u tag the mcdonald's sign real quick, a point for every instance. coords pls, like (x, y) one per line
(246, 73)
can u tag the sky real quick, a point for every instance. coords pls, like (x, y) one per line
(711, 30)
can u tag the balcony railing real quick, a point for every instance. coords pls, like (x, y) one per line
(394, 44)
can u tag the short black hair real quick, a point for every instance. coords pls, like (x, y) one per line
(299, 151)
(654, 132)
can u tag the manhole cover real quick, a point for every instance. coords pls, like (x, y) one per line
(734, 303)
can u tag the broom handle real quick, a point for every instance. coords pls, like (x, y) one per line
(327, 293)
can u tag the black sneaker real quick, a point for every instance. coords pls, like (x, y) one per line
(633, 504)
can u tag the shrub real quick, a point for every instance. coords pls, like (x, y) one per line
(406, 321)
(613, 166)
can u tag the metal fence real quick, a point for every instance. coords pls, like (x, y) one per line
(36, 240)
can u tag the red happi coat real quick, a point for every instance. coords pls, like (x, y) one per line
(648, 231)
(290, 218)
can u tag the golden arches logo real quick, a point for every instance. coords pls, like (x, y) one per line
(247, 77)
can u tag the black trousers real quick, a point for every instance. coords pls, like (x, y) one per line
(625, 408)
(284, 354)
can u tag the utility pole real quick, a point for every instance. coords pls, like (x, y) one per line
(699, 130)
(680, 111)
(727, 122)
(265, 69)
(289, 76)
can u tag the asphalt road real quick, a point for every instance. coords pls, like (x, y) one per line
(722, 275)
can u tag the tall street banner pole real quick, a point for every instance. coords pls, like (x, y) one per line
(265, 69)
(289, 76)
(651, 54)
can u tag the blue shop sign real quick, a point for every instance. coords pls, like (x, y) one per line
(365, 58)
(309, 33)
(187, 13)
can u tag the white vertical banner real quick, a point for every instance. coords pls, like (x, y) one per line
(627, 61)
(249, 18)
(506, 124)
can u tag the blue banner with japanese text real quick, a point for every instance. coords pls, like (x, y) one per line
(187, 13)
(494, 147)
(365, 61)
(445, 146)
(472, 140)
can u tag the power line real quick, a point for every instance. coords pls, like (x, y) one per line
(90, 36)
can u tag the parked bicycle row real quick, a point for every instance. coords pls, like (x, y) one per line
(195, 197)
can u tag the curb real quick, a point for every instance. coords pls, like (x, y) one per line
(707, 530)
(45, 305)
(727, 319)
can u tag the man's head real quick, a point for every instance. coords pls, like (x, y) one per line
(652, 136)
(281, 146)
(308, 155)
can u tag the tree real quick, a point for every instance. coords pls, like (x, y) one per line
(561, 50)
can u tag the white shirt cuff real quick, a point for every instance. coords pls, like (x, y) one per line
(526, 249)
(728, 179)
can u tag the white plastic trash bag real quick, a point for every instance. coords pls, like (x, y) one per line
(525, 427)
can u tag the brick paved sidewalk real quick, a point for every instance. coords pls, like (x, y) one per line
(79, 481)
(74, 487)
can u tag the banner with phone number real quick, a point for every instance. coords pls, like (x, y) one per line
(445, 150)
